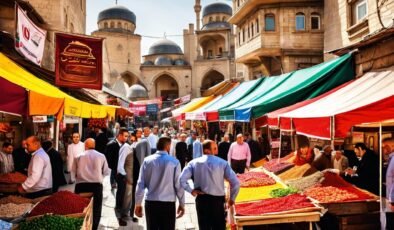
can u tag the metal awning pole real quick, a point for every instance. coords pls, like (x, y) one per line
(382, 218)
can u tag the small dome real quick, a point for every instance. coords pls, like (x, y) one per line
(180, 62)
(148, 63)
(117, 12)
(217, 8)
(163, 60)
(165, 46)
(136, 91)
(216, 25)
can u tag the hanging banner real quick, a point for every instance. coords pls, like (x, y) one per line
(138, 109)
(152, 109)
(29, 38)
(79, 61)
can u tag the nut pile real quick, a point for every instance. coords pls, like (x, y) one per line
(15, 200)
(11, 210)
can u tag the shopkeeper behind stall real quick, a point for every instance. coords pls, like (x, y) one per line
(39, 173)
(6, 160)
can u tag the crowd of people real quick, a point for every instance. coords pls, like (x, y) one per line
(160, 166)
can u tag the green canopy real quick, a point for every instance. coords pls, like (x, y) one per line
(291, 88)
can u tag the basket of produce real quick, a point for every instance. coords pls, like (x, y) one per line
(66, 204)
(9, 182)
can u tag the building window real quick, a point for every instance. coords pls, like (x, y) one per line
(315, 21)
(224, 19)
(252, 29)
(217, 18)
(269, 22)
(257, 26)
(210, 54)
(359, 11)
(119, 25)
(238, 3)
(220, 51)
(248, 31)
(243, 35)
(112, 24)
(300, 21)
(105, 25)
(210, 19)
(239, 38)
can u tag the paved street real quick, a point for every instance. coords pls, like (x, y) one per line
(109, 220)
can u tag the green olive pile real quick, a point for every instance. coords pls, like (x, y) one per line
(49, 222)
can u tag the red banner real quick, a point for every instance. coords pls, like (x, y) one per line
(79, 61)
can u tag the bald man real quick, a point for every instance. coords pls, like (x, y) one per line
(39, 172)
(90, 169)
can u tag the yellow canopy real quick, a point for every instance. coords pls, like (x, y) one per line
(193, 105)
(47, 94)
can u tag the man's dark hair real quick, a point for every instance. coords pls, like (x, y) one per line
(361, 145)
(206, 145)
(122, 130)
(46, 145)
(6, 144)
(163, 142)
(246, 134)
(75, 132)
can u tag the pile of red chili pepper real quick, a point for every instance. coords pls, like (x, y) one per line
(255, 179)
(61, 203)
(13, 178)
(273, 205)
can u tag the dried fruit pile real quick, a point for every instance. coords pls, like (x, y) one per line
(15, 200)
(273, 205)
(255, 179)
(61, 203)
(278, 167)
(330, 194)
(306, 182)
(13, 178)
(11, 210)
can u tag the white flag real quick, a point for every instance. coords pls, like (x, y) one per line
(30, 39)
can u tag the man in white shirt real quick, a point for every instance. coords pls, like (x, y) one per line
(73, 151)
(90, 168)
(39, 173)
(153, 138)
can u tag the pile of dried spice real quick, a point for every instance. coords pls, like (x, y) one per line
(13, 178)
(61, 203)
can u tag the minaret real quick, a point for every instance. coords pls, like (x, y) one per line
(197, 9)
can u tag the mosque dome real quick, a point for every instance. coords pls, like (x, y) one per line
(163, 60)
(216, 25)
(148, 63)
(136, 91)
(164, 46)
(117, 12)
(180, 62)
(217, 8)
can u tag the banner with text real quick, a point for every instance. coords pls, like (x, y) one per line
(79, 61)
(29, 38)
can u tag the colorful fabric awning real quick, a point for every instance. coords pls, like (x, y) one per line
(367, 99)
(199, 114)
(193, 105)
(12, 72)
(13, 98)
(295, 87)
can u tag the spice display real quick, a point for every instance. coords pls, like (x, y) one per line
(11, 210)
(306, 182)
(15, 200)
(273, 205)
(255, 179)
(295, 172)
(48, 222)
(330, 194)
(13, 178)
(281, 192)
(277, 167)
(256, 193)
(61, 203)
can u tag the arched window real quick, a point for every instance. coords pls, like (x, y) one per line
(112, 24)
(224, 19)
(257, 26)
(269, 22)
(252, 29)
(315, 21)
(300, 21)
(119, 25)
(105, 25)
(210, 19)
(220, 51)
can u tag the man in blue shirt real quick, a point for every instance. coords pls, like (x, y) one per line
(159, 174)
(197, 147)
(209, 173)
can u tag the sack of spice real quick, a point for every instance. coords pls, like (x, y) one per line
(61, 203)
(49, 222)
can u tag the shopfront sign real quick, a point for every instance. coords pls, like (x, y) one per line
(138, 109)
(152, 108)
(71, 120)
(30, 39)
(40, 119)
(79, 61)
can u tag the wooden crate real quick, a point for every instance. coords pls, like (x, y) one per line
(367, 221)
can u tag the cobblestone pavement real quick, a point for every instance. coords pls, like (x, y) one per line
(109, 220)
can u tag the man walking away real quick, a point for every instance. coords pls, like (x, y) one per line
(239, 155)
(57, 165)
(254, 147)
(181, 150)
(90, 169)
(209, 173)
(159, 174)
(224, 147)
(197, 147)
(112, 153)
(153, 138)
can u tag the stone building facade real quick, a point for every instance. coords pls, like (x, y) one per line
(166, 70)
(53, 16)
(274, 37)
